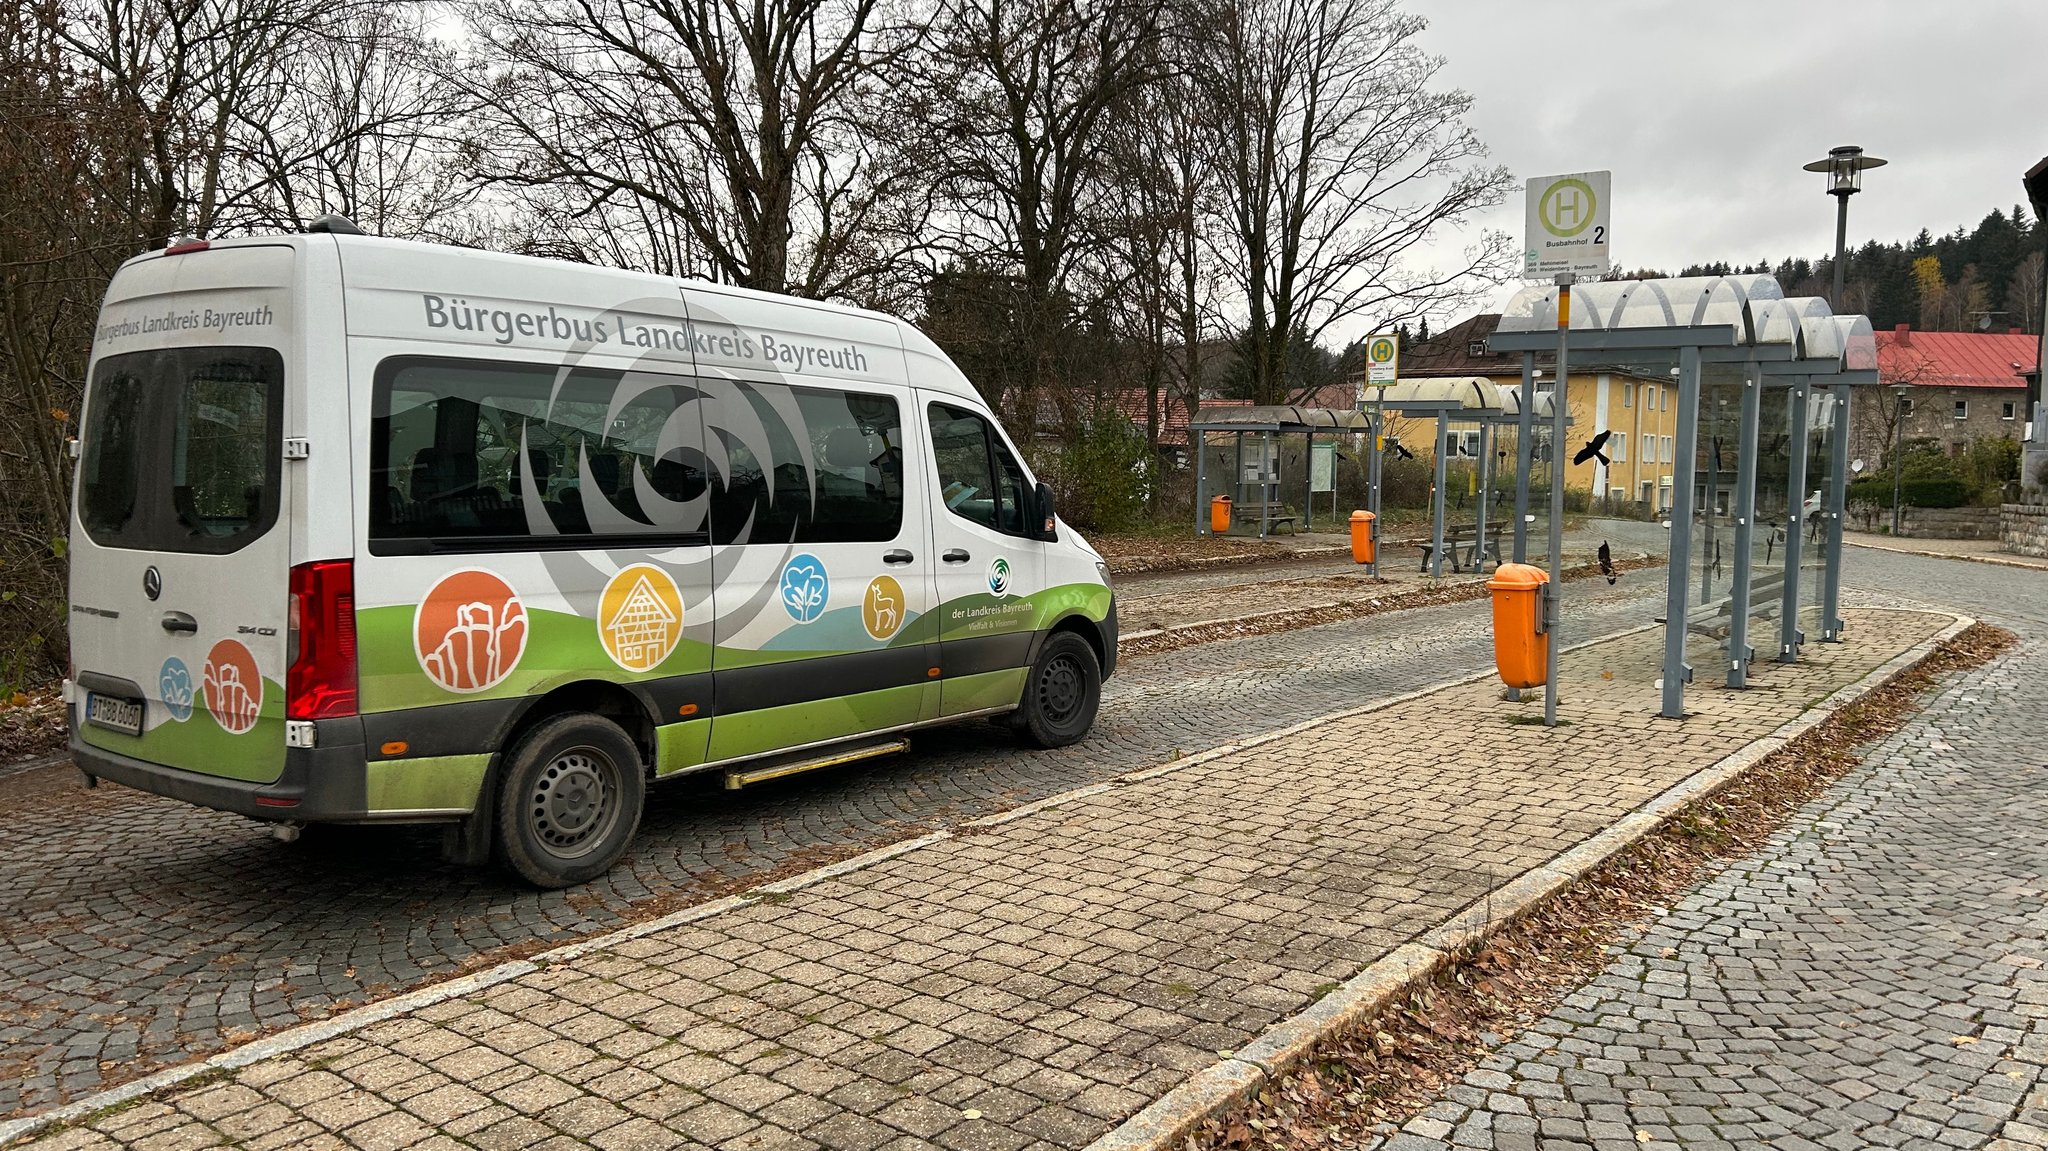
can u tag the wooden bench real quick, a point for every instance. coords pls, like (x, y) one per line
(1460, 540)
(1250, 514)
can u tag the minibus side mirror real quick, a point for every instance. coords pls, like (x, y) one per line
(1048, 522)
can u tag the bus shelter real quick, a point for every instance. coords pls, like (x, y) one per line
(1469, 413)
(1764, 388)
(1256, 485)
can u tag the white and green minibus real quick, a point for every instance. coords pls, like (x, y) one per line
(379, 531)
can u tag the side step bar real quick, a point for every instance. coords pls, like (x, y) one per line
(736, 778)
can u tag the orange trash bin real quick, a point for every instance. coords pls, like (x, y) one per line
(1521, 651)
(1364, 541)
(1219, 515)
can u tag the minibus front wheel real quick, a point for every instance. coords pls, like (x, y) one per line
(570, 800)
(1061, 693)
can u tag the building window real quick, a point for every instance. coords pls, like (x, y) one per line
(1628, 395)
(1476, 348)
(2008, 410)
(1962, 409)
(1667, 451)
(1905, 405)
(1649, 449)
(1618, 450)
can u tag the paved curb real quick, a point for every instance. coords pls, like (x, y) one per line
(1240, 1076)
(1992, 560)
(307, 1034)
(1395, 593)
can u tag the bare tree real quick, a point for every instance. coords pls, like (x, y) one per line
(709, 137)
(1341, 164)
(369, 127)
(2023, 293)
(1015, 99)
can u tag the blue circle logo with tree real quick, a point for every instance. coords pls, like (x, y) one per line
(805, 587)
(174, 687)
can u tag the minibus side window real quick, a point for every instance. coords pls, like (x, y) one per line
(483, 455)
(833, 471)
(978, 477)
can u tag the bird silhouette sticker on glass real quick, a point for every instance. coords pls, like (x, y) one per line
(1593, 450)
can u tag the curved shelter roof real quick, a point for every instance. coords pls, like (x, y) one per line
(1445, 393)
(1747, 313)
(1278, 418)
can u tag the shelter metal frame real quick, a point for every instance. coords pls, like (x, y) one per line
(1798, 342)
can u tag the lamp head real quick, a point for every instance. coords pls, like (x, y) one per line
(1844, 169)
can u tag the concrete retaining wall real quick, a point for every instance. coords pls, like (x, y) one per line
(2023, 529)
(1949, 523)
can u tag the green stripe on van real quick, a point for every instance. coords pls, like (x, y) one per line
(436, 783)
(201, 745)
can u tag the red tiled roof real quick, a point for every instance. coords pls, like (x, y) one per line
(1173, 415)
(1956, 359)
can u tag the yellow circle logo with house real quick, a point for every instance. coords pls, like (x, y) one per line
(640, 617)
(881, 609)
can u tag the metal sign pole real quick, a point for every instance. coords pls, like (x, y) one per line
(1525, 452)
(1377, 432)
(1436, 531)
(1553, 590)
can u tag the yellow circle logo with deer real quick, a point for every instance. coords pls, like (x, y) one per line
(640, 617)
(881, 609)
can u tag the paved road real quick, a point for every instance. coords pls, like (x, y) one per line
(1877, 976)
(134, 929)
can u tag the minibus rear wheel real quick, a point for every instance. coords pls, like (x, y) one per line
(1061, 693)
(570, 800)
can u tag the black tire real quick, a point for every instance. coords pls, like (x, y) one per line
(1061, 693)
(570, 800)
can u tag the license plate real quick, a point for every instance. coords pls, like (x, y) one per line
(115, 712)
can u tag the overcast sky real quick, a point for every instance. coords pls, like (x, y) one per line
(1704, 111)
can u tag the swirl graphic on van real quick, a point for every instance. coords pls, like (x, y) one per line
(999, 577)
(469, 631)
(233, 686)
(805, 587)
(174, 687)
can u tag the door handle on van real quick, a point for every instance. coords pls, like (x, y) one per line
(177, 622)
(956, 556)
(897, 556)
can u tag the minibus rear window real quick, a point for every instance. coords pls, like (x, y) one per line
(183, 449)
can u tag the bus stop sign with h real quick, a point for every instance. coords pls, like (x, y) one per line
(1567, 237)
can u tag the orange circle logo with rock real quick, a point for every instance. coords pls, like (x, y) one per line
(232, 686)
(640, 617)
(881, 609)
(470, 631)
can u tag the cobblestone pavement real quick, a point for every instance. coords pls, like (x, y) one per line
(1025, 983)
(134, 928)
(1877, 976)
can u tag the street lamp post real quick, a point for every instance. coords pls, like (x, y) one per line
(1844, 168)
(1898, 454)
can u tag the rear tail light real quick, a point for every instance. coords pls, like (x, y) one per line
(321, 681)
(181, 247)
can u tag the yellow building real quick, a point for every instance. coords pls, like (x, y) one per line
(1639, 412)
